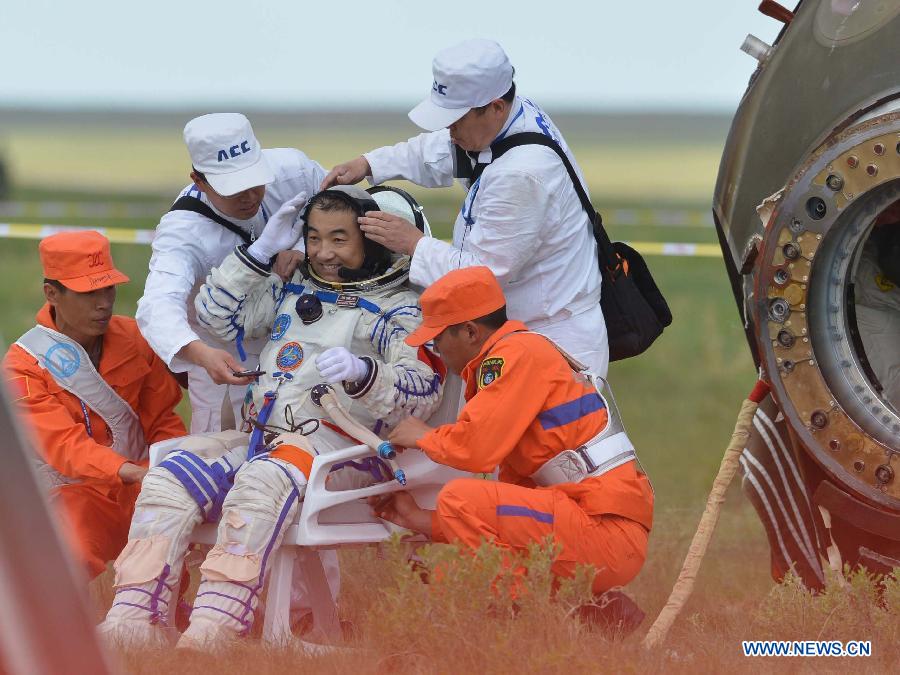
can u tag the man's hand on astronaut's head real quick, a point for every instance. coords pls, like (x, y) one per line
(281, 232)
(220, 365)
(287, 262)
(393, 232)
(408, 433)
(401, 509)
(132, 473)
(339, 365)
(348, 173)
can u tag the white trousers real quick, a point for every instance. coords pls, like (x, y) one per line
(207, 398)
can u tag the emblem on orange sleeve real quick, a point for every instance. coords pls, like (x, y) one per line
(490, 370)
(18, 386)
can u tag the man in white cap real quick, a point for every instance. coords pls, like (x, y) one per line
(237, 188)
(521, 218)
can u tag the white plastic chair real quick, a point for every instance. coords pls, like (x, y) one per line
(331, 519)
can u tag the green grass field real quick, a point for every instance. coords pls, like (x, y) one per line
(679, 402)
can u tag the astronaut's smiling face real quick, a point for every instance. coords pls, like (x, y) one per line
(334, 241)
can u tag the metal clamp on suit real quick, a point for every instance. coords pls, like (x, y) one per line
(604, 452)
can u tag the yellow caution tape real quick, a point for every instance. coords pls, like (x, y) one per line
(123, 235)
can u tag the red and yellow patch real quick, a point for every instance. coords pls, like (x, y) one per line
(18, 387)
(490, 370)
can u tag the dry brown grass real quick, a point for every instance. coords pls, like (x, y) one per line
(465, 624)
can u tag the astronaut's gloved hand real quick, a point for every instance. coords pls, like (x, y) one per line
(338, 364)
(281, 232)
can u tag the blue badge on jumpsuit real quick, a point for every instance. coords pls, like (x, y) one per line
(62, 360)
(290, 356)
(279, 328)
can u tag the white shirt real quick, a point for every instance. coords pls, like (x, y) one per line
(188, 245)
(522, 219)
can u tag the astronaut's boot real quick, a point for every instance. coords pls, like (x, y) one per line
(263, 503)
(175, 497)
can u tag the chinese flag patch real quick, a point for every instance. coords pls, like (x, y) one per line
(18, 387)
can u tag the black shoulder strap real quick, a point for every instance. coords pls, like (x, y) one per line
(535, 138)
(188, 203)
(463, 165)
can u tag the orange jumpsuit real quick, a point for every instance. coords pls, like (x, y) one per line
(99, 507)
(524, 405)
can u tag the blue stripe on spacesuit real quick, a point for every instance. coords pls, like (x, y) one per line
(222, 290)
(254, 590)
(216, 472)
(239, 341)
(193, 489)
(227, 309)
(232, 317)
(286, 289)
(408, 386)
(382, 323)
(206, 484)
(207, 323)
(197, 475)
(290, 287)
(331, 297)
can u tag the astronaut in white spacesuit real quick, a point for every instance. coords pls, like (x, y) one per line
(342, 319)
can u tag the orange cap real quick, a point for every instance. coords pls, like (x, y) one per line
(80, 261)
(458, 296)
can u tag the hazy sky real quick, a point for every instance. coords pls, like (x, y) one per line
(163, 53)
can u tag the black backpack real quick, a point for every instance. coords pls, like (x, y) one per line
(634, 308)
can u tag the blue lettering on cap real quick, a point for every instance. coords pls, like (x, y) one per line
(439, 88)
(234, 151)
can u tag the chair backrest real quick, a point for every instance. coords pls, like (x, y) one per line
(341, 517)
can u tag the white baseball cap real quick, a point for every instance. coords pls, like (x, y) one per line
(223, 148)
(468, 75)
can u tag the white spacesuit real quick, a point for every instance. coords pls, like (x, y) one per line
(878, 310)
(318, 330)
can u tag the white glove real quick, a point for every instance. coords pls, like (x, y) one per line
(281, 232)
(338, 364)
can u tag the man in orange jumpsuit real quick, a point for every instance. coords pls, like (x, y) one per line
(567, 468)
(94, 393)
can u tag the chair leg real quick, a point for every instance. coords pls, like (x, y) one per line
(324, 609)
(277, 621)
